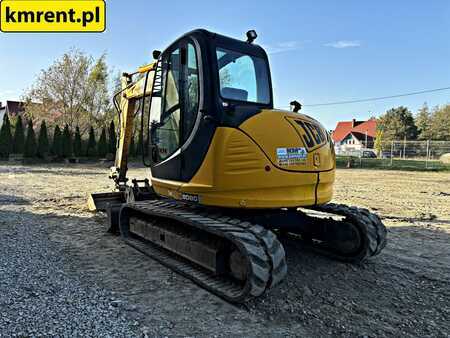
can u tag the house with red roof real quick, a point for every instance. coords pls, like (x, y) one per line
(354, 135)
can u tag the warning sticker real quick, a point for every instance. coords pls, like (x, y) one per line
(291, 156)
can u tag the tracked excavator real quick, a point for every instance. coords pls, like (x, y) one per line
(229, 174)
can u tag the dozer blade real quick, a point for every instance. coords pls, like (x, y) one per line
(101, 201)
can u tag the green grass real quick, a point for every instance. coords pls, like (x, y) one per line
(397, 164)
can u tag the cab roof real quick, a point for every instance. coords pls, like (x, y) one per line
(227, 42)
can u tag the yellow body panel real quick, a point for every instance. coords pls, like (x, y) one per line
(272, 129)
(325, 186)
(241, 169)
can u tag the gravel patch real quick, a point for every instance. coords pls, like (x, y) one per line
(39, 298)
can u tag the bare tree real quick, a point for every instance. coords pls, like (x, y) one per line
(72, 91)
(98, 99)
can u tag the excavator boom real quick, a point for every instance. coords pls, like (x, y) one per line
(127, 100)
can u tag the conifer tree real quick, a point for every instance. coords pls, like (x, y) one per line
(146, 145)
(112, 139)
(91, 149)
(139, 145)
(5, 138)
(43, 146)
(30, 142)
(66, 142)
(423, 121)
(19, 137)
(132, 148)
(57, 143)
(77, 143)
(102, 146)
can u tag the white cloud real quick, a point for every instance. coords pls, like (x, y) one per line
(344, 44)
(282, 47)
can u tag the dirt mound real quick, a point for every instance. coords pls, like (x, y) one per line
(445, 158)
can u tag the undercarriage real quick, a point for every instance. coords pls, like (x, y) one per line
(235, 253)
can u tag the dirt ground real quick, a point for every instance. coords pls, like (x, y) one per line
(405, 291)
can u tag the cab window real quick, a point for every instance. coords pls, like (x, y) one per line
(175, 102)
(166, 111)
(191, 91)
(243, 77)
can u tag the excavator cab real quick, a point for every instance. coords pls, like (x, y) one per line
(205, 80)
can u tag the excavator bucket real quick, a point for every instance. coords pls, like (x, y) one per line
(101, 201)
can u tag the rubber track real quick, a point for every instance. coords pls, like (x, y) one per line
(266, 263)
(372, 231)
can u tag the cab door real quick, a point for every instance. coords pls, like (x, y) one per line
(173, 110)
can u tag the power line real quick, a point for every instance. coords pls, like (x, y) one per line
(377, 98)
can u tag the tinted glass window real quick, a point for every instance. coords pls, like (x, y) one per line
(243, 77)
(191, 90)
(165, 111)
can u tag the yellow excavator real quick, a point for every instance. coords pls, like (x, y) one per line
(229, 173)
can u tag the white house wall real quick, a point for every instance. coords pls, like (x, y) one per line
(2, 113)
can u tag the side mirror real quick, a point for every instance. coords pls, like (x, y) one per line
(156, 54)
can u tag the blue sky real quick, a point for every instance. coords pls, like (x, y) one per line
(320, 51)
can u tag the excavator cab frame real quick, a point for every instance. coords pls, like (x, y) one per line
(191, 67)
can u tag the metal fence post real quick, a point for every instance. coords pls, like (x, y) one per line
(392, 151)
(428, 153)
(404, 148)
